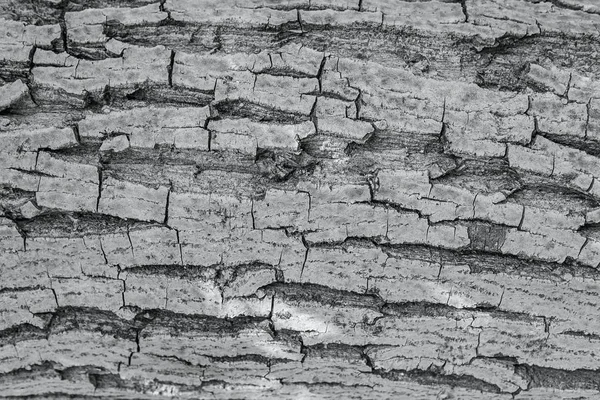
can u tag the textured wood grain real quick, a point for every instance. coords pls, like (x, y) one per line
(299, 199)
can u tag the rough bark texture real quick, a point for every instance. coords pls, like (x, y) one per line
(299, 199)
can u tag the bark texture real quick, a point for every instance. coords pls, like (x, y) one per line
(328, 199)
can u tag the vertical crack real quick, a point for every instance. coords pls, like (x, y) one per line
(520, 226)
(443, 138)
(23, 235)
(444, 111)
(252, 214)
(179, 244)
(255, 79)
(305, 256)
(170, 68)
(269, 366)
(55, 297)
(300, 20)
(137, 341)
(99, 188)
(167, 203)
(535, 129)
(587, 239)
(37, 156)
(547, 322)
(463, 5)
(213, 113)
(367, 358)
(29, 76)
(124, 287)
(320, 73)
(309, 201)
(76, 133)
(587, 119)
(373, 182)
(501, 297)
(137, 344)
(303, 351)
(31, 55)
(313, 116)
(591, 184)
(387, 226)
(529, 104)
(270, 316)
(102, 250)
(357, 103)
(566, 93)
(130, 243)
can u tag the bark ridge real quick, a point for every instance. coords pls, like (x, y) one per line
(299, 199)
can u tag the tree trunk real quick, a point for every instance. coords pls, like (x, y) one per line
(299, 199)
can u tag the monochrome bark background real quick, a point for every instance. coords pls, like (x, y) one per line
(297, 199)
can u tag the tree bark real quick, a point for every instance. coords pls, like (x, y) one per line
(299, 199)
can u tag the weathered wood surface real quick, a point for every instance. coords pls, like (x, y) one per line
(300, 199)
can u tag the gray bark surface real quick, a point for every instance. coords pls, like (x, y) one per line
(300, 199)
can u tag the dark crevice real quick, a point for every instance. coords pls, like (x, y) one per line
(584, 144)
(578, 379)
(433, 376)
(255, 112)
